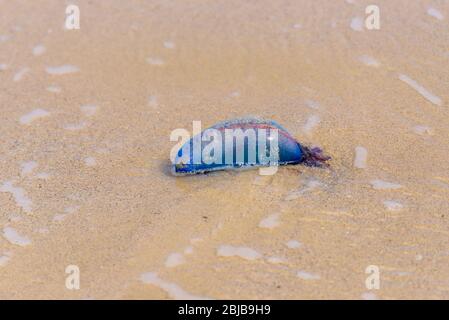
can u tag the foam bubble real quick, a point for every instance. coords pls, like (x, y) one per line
(174, 259)
(15, 218)
(270, 222)
(293, 244)
(39, 50)
(369, 296)
(276, 260)
(67, 212)
(4, 38)
(393, 205)
(155, 61)
(61, 70)
(43, 175)
(310, 186)
(196, 240)
(59, 217)
(75, 126)
(188, 250)
(242, 252)
(169, 44)
(90, 161)
(357, 24)
(4, 258)
(369, 61)
(423, 130)
(307, 276)
(435, 13)
(312, 104)
(262, 180)
(152, 101)
(43, 230)
(14, 237)
(54, 89)
(311, 123)
(33, 115)
(384, 185)
(71, 209)
(361, 155)
(28, 167)
(89, 110)
(20, 74)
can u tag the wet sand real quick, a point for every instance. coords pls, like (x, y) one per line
(86, 120)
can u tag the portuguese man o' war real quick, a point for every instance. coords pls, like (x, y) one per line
(241, 144)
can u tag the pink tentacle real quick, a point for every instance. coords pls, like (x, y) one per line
(314, 157)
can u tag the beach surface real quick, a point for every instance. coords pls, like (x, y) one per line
(86, 118)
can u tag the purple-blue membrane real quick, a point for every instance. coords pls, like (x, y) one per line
(281, 151)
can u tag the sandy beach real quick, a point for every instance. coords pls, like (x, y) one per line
(86, 117)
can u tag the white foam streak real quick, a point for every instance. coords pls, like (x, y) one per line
(61, 70)
(242, 252)
(172, 289)
(421, 90)
(19, 195)
(14, 237)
